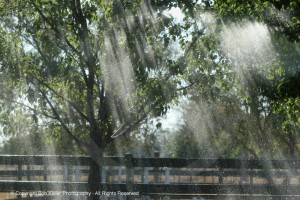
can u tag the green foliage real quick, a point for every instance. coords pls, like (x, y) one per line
(186, 144)
(236, 8)
(272, 12)
(239, 96)
(61, 61)
(290, 87)
(93, 69)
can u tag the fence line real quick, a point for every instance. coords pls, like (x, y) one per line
(155, 177)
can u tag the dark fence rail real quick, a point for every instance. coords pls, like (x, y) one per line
(155, 177)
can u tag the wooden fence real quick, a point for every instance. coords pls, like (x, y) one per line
(146, 178)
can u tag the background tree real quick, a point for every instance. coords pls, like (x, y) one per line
(239, 82)
(283, 17)
(280, 87)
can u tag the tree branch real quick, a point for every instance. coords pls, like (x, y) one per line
(185, 87)
(34, 110)
(65, 127)
(58, 95)
(126, 128)
(59, 33)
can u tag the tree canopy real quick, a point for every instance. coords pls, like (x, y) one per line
(242, 62)
(88, 69)
(95, 71)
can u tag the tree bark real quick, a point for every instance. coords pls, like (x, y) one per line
(95, 175)
(94, 181)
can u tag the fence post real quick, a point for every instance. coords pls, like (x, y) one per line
(77, 173)
(221, 175)
(66, 174)
(45, 172)
(103, 175)
(167, 180)
(19, 176)
(251, 172)
(129, 173)
(28, 173)
(146, 174)
(167, 171)
(191, 175)
(120, 174)
(19, 172)
(156, 155)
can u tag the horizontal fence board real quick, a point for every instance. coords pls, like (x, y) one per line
(57, 160)
(150, 162)
(9, 173)
(165, 189)
(235, 197)
(210, 172)
(161, 189)
(114, 173)
(215, 163)
(44, 159)
(9, 186)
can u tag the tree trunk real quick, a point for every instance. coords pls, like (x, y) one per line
(95, 175)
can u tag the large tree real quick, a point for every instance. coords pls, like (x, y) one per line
(93, 70)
